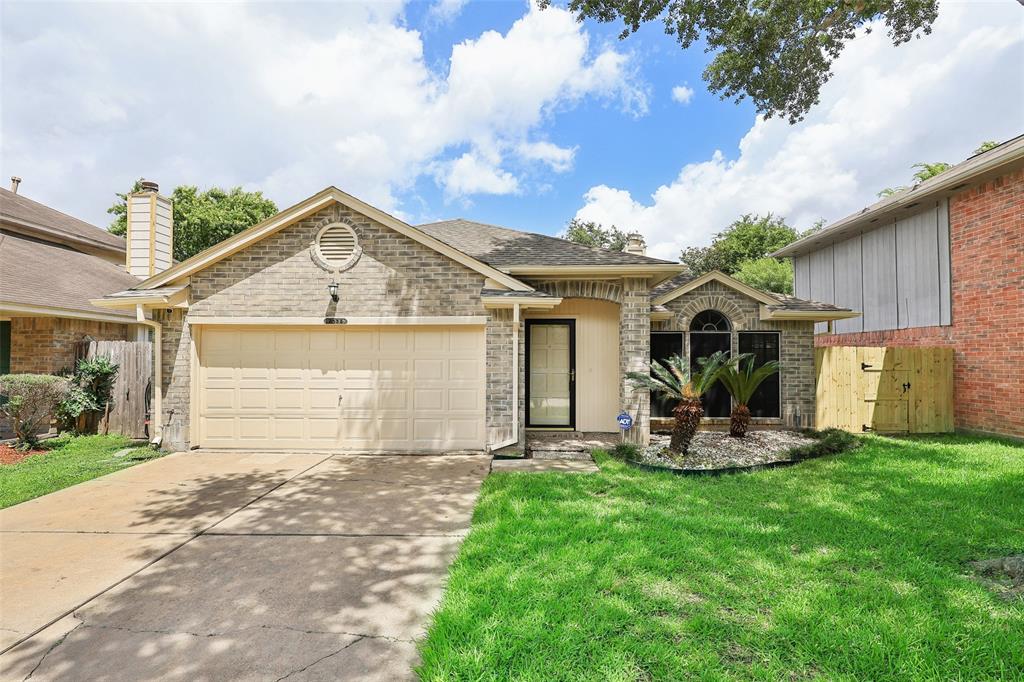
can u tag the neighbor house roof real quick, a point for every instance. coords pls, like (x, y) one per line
(996, 161)
(49, 278)
(41, 219)
(505, 248)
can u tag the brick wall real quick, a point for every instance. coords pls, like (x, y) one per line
(796, 348)
(635, 355)
(277, 277)
(46, 345)
(987, 331)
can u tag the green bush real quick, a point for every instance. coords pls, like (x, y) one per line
(626, 451)
(827, 442)
(29, 400)
(89, 392)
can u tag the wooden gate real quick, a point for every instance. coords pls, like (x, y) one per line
(889, 390)
(128, 397)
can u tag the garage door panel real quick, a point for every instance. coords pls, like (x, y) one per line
(378, 389)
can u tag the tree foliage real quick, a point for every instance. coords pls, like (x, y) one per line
(89, 392)
(928, 170)
(767, 274)
(202, 219)
(749, 238)
(779, 54)
(590, 233)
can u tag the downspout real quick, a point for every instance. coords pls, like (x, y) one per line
(155, 412)
(515, 382)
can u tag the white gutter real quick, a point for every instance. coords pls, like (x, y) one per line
(158, 389)
(515, 382)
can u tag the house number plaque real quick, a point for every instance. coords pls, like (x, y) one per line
(335, 320)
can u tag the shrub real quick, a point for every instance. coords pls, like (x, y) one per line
(626, 451)
(29, 400)
(827, 442)
(89, 392)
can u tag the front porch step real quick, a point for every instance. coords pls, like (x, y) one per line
(580, 455)
(573, 445)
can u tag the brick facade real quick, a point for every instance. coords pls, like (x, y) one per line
(987, 330)
(796, 347)
(635, 355)
(277, 277)
(46, 345)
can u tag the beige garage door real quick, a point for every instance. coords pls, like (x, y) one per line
(376, 389)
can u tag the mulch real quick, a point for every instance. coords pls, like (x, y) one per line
(9, 455)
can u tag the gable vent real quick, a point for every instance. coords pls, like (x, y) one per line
(337, 244)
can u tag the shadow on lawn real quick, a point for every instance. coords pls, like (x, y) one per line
(851, 565)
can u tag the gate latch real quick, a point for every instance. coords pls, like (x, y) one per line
(864, 366)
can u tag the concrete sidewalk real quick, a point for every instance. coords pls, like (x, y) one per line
(233, 566)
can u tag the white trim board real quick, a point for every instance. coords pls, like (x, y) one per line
(722, 278)
(21, 310)
(436, 321)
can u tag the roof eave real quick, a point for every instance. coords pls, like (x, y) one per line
(767, 314)
(944, 184)
(658, 271)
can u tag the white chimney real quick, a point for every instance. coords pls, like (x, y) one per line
(150, 231)
(635, 244)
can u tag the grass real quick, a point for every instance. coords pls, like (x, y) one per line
(70, 460)
(843, 568)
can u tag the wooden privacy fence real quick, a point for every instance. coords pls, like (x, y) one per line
(889, 390)
(134, 360)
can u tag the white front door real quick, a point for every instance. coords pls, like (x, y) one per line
(551, 373)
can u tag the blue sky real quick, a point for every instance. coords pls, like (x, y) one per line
(494, 111)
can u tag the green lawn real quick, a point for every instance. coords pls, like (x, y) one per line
(70, 461)
(843, 568)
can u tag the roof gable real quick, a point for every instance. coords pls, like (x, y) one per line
(307, 207)
(678, 286)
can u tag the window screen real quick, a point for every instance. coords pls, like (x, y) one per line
(765, 347)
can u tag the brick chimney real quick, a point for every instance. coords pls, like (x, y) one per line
(150, 232)
(635, 244)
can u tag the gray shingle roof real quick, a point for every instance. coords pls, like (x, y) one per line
(501, 247)
(515, 294)
(21, 209)
(33, 272)
(785, 302)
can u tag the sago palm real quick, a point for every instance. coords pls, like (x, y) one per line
(741, 379)
(673, 378)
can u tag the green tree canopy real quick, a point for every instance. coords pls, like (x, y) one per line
(202, 219)
(926, 170)
(750, 237)
(767, 274)
(778, 54)
(590, 233)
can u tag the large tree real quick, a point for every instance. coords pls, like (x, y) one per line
(202, 219)
(590, 233)
(778, 53)
(748, 238)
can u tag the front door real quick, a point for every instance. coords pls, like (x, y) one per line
(551, 373)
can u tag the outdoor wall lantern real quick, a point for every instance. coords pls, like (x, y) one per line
(332, 288)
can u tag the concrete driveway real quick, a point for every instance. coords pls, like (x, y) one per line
(217, 566)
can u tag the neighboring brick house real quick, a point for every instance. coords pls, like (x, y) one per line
(51, 267)
(941, 264)
(336, 326)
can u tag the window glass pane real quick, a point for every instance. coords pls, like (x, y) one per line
(716, 401)
(765, 347)
(5, 347)
(709, 321)
(664, 346)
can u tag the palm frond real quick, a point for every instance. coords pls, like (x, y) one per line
(742, 379)
(670, 377)
(708, 371)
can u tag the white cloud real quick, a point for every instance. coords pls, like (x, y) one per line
(287, 99)
(885, 109)
(559, 159)
(471, 174)
(682, 94)
(445, 11)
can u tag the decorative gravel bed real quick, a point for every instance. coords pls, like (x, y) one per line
(718, 450)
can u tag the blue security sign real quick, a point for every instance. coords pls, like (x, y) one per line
(625, 421)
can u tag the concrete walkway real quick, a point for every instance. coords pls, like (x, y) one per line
(205, 566)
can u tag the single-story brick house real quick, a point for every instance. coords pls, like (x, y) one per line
(334, 325)
(941, 264)
(51, 267)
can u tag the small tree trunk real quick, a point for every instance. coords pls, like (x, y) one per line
(739, 421)
(688, 414)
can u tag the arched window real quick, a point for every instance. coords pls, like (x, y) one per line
(709, 321)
